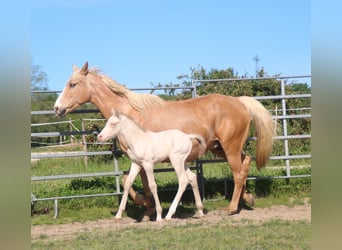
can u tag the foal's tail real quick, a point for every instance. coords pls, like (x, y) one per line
(201, 140)
(264, 127)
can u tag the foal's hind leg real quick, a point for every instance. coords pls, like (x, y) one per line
(193, 182)
(179, 167)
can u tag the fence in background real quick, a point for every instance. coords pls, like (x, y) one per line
(285, 137)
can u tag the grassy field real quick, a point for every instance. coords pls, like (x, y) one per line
(273, 234)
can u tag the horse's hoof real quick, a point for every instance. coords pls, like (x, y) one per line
(251, 200)
(230, 211)
(140, 200)
(145, 218)
(198, 215)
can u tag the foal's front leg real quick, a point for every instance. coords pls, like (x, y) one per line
(133, 172)
(148, 166)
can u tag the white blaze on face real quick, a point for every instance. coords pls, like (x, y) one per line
(57, 102)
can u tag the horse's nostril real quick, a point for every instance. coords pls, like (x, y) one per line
(59, 111)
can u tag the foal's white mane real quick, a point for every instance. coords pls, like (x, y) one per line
(137, 101)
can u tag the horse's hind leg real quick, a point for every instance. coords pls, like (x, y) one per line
(246, 162)
(239, 176)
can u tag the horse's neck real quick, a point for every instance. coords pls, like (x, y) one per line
(106, 100)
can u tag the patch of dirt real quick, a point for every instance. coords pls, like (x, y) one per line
(245, 217)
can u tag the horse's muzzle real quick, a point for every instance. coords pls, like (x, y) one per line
(59, 111)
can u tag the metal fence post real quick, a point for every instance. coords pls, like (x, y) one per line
(70, 127)
(55, 209)
(193, 90)
(286, 141)
(84, 141)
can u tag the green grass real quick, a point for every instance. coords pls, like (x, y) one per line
(224, 234)
(68, 213)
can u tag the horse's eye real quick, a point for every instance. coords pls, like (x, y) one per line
(72, 85)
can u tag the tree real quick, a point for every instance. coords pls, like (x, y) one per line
(39, 78)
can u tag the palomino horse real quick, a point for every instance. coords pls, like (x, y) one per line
(172, 145)
(223, 122)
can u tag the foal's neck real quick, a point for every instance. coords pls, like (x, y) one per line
(131, 131)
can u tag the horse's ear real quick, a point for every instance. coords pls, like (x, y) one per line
(84, 69)
(74, 67)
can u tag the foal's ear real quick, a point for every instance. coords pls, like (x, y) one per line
(117, 114)
(114, 112)
(84, 69)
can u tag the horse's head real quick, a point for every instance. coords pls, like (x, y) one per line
(75, 93)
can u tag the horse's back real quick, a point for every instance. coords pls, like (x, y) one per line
(197, 115)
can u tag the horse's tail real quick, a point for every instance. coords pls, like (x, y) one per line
(264, 127)
(201, 140)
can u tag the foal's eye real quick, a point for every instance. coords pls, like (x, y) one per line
(72, 85)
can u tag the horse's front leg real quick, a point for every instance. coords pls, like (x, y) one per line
(133, 172)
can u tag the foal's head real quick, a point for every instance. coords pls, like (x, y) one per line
(111, 130)
(76, 92)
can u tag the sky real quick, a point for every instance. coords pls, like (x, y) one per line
(139, 42)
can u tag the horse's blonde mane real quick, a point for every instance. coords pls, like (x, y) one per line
(137, 101)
